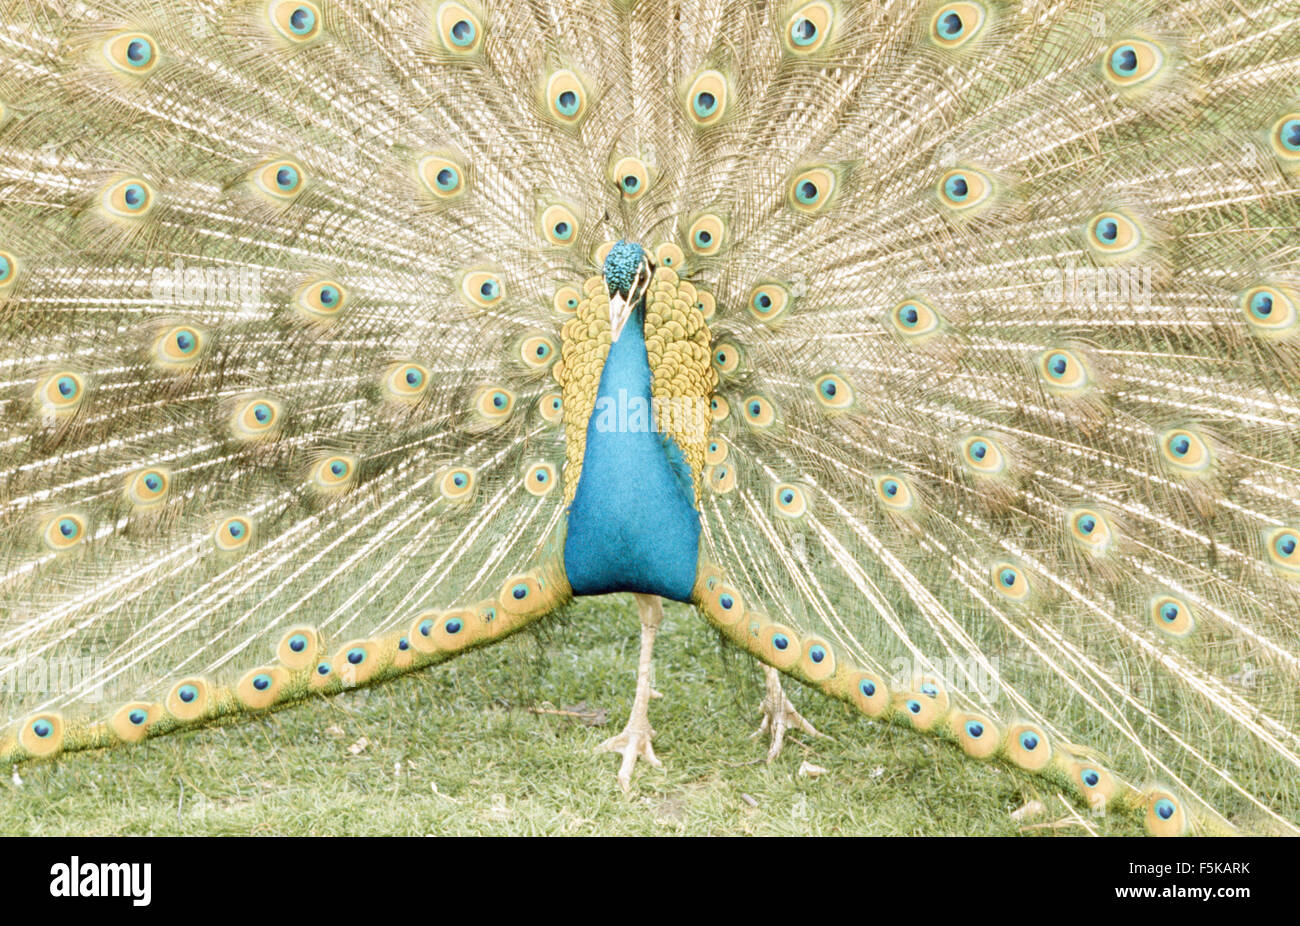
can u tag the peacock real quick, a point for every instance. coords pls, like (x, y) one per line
(945, 356)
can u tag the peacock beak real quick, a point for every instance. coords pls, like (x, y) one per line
(620, 310)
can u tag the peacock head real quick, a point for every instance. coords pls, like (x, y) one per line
(627, 277)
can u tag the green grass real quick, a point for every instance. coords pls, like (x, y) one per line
(462, 749)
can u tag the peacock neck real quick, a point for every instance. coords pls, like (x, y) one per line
(633, 524)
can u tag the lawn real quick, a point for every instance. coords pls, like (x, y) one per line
(502, 742)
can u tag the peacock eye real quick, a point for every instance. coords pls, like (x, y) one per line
(1028, 742)
(1164, 809)
(705, 104)
(803, 32)
(955, 24)
(974, 729)
(356, 656)
(1132, 61)
(132, 53)
(463, 32)
(808, 27)
(297, 643)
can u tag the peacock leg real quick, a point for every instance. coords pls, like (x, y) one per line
(779, 714)
(634, 741)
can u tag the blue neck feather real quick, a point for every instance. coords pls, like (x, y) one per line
(632, 526)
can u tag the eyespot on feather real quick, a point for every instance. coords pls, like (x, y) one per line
(131, 198)
(817, 662)
(719, 407)
(760, 413)
(833, 392)
(808, 28)
(983, 455)
(812, 191)
(64, 531)
(442, 177)
(537, 351)
(188, 698)
(551, 407)
(320, 301)
(1063, 372)
(256, 418)
(61, 393)
(460, 30)
(1165, 815)
(356, 662)
(1184, 451)
(707, 98)
(540, 479)
(789, 500)
(895, 493)
(1283, 547)
(1090, 530)
(179, 348)
(632, 178)
(1027, 746)
(297, 21)
(965, 189)
(559, 225)
(41, 734)
(870, 694)
(1271, 311)
(281, 180)
(1010, 580)
(769, 301)
(1132, 61)
(334, 474)
(10, 269)
(232, 534)
(147, 488)
(482, 288)
(669, 255)
(724, 604)
(494, 403)
(1113, 234)
(779, 645)
(406, 382)
(566, 300)
(721, 478)
(707, 235)
(1284, 138)
(132, 53)
(130, 722)
(955, 25)
(259, 688)
(1172, 615)
(978, 736)
(457, 484)
(914, 319)
(726, 358)
(566, 97)
(299, 647)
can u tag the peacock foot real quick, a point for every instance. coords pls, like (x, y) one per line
(779, 715)
(633, 743)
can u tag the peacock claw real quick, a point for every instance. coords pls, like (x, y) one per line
(779, 715)
(632, 743)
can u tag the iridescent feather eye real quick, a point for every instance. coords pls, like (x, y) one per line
(64, 531)
(406, 382)
(333, 474)
(715, 451)
(8, 270)
(566, 98)
(1283, 546)
(895, 492)
(964, 189)
(914, 319)
(188, 698)
(559, 226)
(789, 500)
(632, 178)
(759, 411)
(320, 301)
(979, 737)
(133, 53)
(719, 407)
(1164, 816)
(808, 28)
(148, 488)
(726, 358)
(1271, 311)
(1010, 580)
(707, 235)
(537, 351)
(567, 300)
(706, 304)
(706, 99)
(768, 301)
(298, 21)
(232, 534)
(1285, 139)
(983, 455)
(459, 30)
(457, 483)
(1111, 234)
(1063, 372)
(539, 478)
(833, 391)
(256, 418)
(551, 406)
(442, 177)
(131, 198)
(1028, 747)
(956, 24)
(721, 478)
(61, 393)
(1185, 451)
(1090, 530)
(179, 348)
(669, 255)
(494, 403)
(482, 288)
(281, 180)
(1172, 615)
(1130, 62)
(812, 190)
